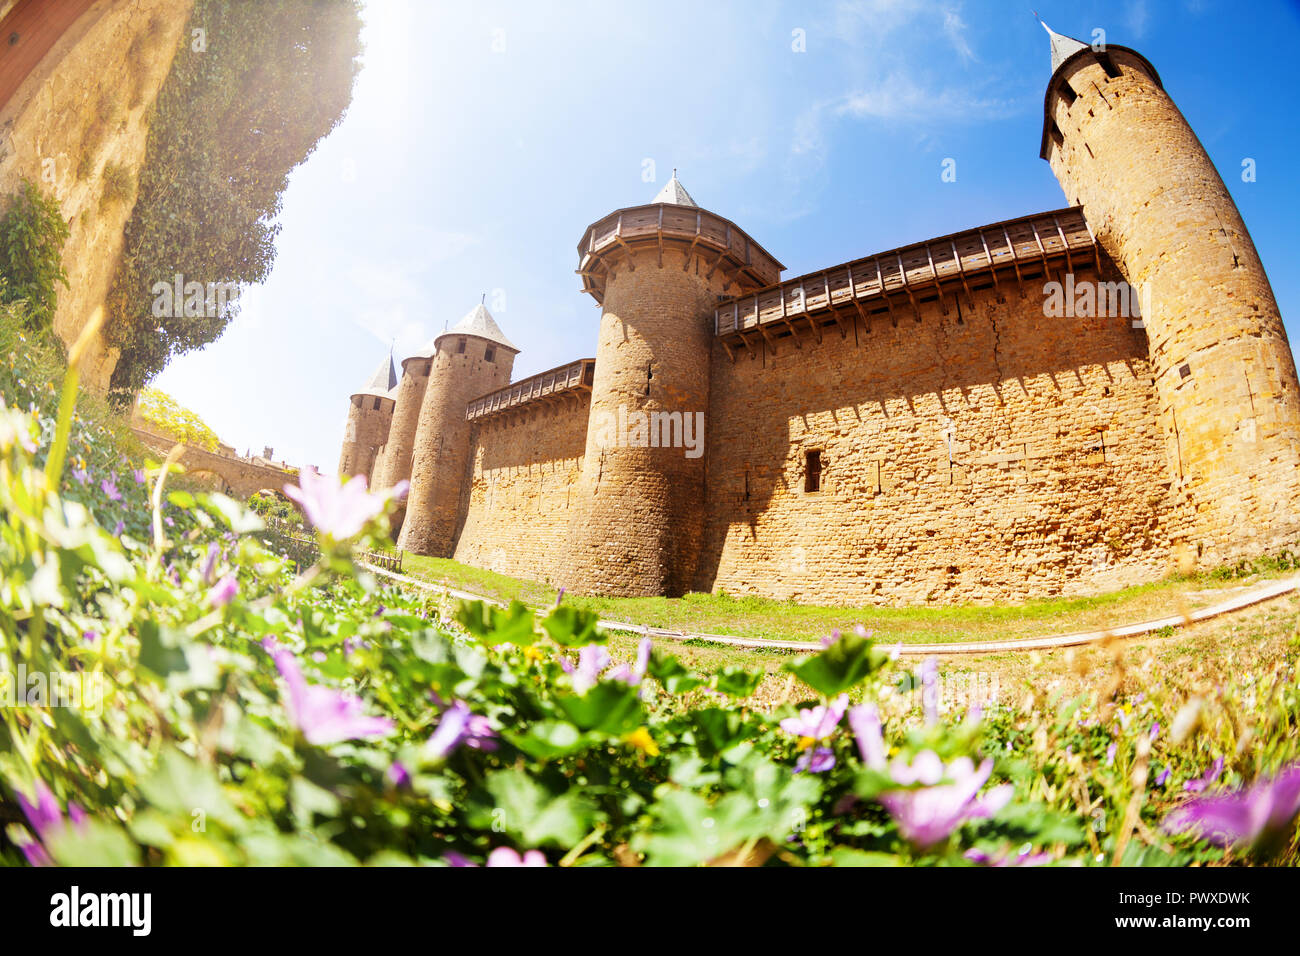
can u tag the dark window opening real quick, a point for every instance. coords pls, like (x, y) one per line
(649, 374)
(376, 404)
(1109, 66)
(1184, 371)
(812, 478)
(460, 346)
(1057, 136)
(1068, 94)
(489, 354)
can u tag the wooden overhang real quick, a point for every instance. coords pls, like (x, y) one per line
(688, 229)
(903, 278)
(552, 386)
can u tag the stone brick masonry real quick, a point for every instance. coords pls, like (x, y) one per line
(914, 427)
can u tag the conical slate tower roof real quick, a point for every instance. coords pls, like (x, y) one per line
(478, 321)
(382, 382)
(1063, 47)
(675, 193)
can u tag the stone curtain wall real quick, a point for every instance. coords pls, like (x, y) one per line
(1057, 482)
(1229, 404)
(524, 487)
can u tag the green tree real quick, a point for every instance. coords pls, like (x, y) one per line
(32, 234)
(230, 124)
(165, 414)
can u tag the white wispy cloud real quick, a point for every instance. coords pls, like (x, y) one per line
(1137, 17)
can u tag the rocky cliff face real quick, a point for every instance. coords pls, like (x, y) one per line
(77, 127)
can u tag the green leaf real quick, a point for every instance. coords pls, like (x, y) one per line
(573, 627)
(493, 625)
(532, 814)
(737, 681)
(843, 665)
(610, 707)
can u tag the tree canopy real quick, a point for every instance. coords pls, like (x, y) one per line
(253, 89)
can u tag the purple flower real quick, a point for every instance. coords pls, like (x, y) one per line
(47, 820)
(831, 638)
(1006, 858)
(118, 529)
(928, 814)
(398, 775)
(926, 808)
(815, 760)
(325, 715)
(634, 673)
(1255, 815)
(81, 475)
(1211, 775)
(817, 723)
(224, 591)
(930, 690)
(592, 661)
(340, 511)
(864, 720)
(459, 725)
(1163, 777)
(508, 856)
(1155, 730)
(109, 487)
(90, 637)
(210, 562)
(1110, 754)
(138, 474)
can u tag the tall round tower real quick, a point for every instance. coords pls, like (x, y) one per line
(657, 271)
(369, 415)
(470, 359)
(1224, 374)
(395, 464)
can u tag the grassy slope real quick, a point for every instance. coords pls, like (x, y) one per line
(761, 618)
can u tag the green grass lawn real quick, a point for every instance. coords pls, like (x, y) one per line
(763, 618)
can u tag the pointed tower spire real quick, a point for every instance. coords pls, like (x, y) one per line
(674, 193)
(385, 377)
(1063, 47)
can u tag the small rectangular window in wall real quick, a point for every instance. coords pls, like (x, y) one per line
(460, 346)
(376, 404)
(1057, 136)
(1109, 66)
(489, 354)
(812, 473)
(1068, 94)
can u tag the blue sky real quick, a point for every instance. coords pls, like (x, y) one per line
(483, 138)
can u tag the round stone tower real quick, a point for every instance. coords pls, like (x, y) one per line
(1224, 374)
(657, 271)
(470, 359)
(369, 415)
(395, 464)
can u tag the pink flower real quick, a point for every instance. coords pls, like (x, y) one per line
(224, 591)
(460, 726)
(340, 511)
(109, 487)
(817, 723)
(47, 820)
(1258, 814)
(508, 856)
(325, 715)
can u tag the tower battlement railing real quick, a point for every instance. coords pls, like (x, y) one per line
(565, 380)
(1011, 251)
(661, 226)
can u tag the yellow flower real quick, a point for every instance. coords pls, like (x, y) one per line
(641, 740)
(806, 742)
(532, 653)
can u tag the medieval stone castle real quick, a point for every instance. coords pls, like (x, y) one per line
(915, 425)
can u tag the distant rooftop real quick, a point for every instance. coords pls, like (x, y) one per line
(478, 321)
(674, 192)
(382, 382)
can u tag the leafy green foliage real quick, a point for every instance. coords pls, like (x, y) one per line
(32, 234)
(477, 729)
(163, 413)
(229, 125)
